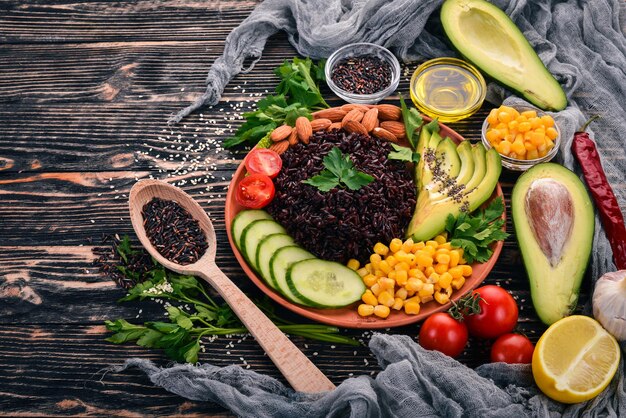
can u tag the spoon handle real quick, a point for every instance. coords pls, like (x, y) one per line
(299, 371)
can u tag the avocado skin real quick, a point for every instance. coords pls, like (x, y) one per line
(554, 288)
(536, 84)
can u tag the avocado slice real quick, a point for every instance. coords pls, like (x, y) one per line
(464, 149)
(446, 160)
(430, 214)
(554, 225)
(489, 39)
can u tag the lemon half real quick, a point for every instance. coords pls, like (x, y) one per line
(575, 359)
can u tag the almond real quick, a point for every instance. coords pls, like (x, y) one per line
(381, 133)
(293, 138)
(352, 106)
(280, 133)
(369, 119)
(396, 128)
(353, 126)
(280, 147)
(389, 112)
(335, 114)
(303, 127)
(320, 124)
(354, 114)
(334, 125)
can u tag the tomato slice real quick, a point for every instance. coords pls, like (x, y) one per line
(263, 161)
(255, 191)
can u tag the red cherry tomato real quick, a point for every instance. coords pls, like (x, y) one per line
(443, 333)
(263, 161)
(512, 348)
(498, 313)
(255, 191)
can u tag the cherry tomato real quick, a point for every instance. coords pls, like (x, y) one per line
(512, 348)
(255, 191)
(263, 161)
(498, 313)
(443, 333)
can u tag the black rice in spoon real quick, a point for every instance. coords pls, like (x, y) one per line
(341, 224)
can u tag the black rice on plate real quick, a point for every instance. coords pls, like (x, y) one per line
(342, 223)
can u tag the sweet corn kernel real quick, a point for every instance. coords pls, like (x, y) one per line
(375, 259)
(417, 246)
(445, 280)
(363, 272)
(386, 283)
(547, 121)
(529, 114)
(376, 289)
(370, 268)
(456, 272)
(401, 293)
(427, 290)
(454, 258)
(467, 270)
(440, 240)
(415, 273)
(414, 285)
(402, 266)
(423, 259)
(430, 250)
(428, 271)
(433, 278)
(385, 298)
(442, 258)
(441, 268)
(384, 266)
(425, 299)
(381, 249)
(391, 260)
(379, 273)
(552, 133)
(353, 264)
(432, 243)
(365, 310)
(397, 304)
(401, 277)
(369, 298)
(392, 274)
(395, 245)
(411, 308)
(401, 256)
(445, 246)
(407, 245)
(442, 297)
(458, 283)
(369, 280)
(381, 311)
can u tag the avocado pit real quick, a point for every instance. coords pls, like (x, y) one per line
(550, 211)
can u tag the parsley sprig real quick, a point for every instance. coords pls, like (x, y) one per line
(297, 95)
(339, 171)
(475, 233)
(197, 315)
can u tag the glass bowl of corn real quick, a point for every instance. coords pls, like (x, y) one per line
(523, 136)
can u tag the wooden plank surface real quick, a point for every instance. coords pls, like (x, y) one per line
(86, 88)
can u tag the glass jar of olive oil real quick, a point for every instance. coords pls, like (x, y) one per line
(447, 88)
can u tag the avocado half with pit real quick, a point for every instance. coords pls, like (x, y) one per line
(489, 39)
(554, 224)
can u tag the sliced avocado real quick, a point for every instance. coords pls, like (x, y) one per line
(488, 38)
(464, 149)
(446, 159)
(554, 225)
(430, 215)
(422, 145)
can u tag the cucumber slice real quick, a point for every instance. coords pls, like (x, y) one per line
(264, 252)
(280, 262)
(252, 236)
(243, 219)
(324, 283)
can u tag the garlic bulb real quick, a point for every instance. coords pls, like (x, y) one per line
(609, 303)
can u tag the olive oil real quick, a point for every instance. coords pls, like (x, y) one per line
(448, 89)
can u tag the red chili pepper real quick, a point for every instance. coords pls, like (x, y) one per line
(587, 155)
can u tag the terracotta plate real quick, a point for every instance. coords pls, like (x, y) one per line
(348, 317)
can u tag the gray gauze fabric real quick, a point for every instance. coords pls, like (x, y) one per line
(582, 45)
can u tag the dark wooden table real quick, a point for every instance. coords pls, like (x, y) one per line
(86, 88)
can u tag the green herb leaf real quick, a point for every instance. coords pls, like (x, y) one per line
(150, 339)
(412, 122)
(125, 249)
(403, 154)
(432, 126)
(475, 233)
(339, 170)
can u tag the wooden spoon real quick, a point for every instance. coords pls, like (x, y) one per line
(299, 371)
